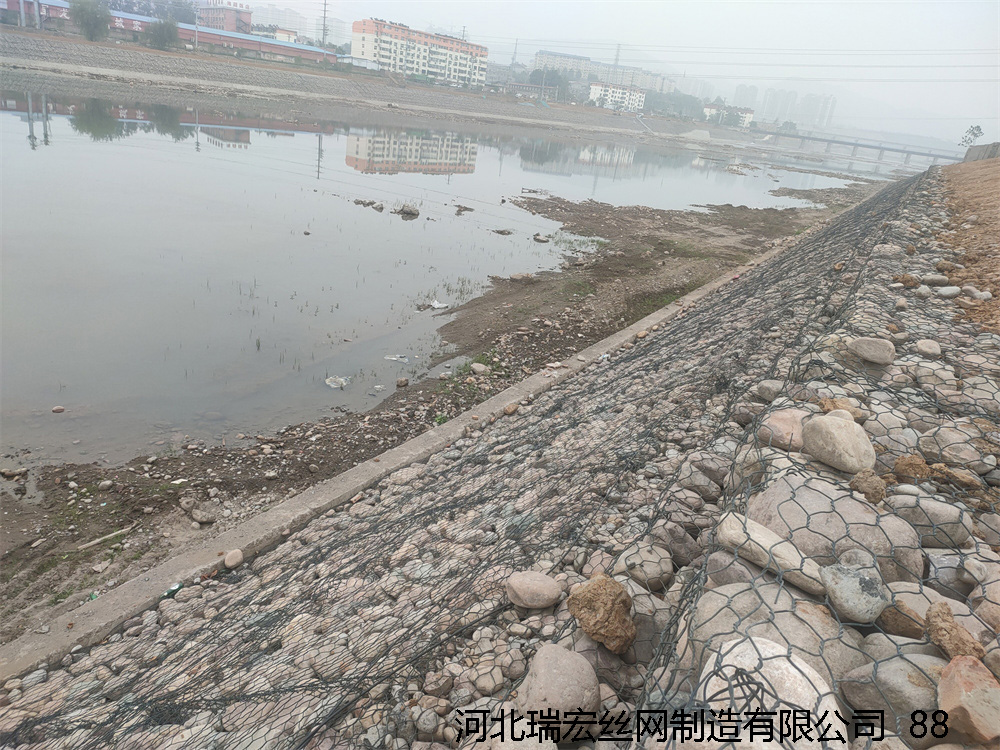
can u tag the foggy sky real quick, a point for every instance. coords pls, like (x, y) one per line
(713, 40)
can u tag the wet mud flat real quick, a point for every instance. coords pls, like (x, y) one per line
(53, 543)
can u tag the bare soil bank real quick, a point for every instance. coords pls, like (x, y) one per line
(972, 192)
(648, 258)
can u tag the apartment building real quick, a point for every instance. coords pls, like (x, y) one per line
(400, 49)
(619, 98)
(562, 62)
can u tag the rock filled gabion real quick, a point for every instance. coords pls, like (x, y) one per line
(782, 501)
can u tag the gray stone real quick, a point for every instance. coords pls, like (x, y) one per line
(935, 279)
(883, 646)
(648, 564)
(877, 351)
(928, 348)
(533, 590)
(691, 478)
(948, 445)
(34, 678)
(233, 559)
(203, 513)
(856, 594)
(939, 524)
(948, 292)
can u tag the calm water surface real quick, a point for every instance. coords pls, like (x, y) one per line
(172, 273)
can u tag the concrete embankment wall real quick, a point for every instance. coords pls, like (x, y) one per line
(789, 484)
(985, 151)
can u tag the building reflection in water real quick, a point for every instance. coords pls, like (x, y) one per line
(391, 152)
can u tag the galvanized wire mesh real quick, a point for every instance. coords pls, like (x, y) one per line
(396, 621)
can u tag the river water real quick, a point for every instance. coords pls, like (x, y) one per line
(169, 272)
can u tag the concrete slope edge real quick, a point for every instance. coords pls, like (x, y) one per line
(94, 621)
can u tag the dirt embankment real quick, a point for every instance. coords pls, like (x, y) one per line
(644, 259)
(973, 188)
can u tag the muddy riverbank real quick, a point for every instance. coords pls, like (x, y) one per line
(644, 258)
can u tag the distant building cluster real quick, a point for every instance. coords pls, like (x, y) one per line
(337, 31)
(619, 98)
(620, 75)
(399, 49)
(811, 110)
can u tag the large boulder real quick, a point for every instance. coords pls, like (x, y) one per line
(971, 696)
(823, 521)
(787, 679)
(559, 680)
(839, 443)
(789, 684)
(898, 686)
(768, 610)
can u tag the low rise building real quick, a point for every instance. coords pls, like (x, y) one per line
(225, 15)
(400, 49)
(531, 90)
(619, 98)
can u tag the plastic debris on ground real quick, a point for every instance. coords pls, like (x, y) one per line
(335, 382)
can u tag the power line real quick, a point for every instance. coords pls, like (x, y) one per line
(745, 50)
(806, 65)
(845, 80)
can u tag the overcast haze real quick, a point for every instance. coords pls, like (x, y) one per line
(948, 50)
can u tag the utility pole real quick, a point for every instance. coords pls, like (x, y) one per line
(513, 58)
(45, 120)
(31, 126)
(463, 33)
(197, 13)
(324, 23)
(20, 5)
(614, 75)
(38, 14)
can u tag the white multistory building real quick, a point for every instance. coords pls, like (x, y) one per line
(620, 98)
(400, 49)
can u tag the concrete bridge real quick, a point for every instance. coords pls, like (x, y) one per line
(882, 148)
